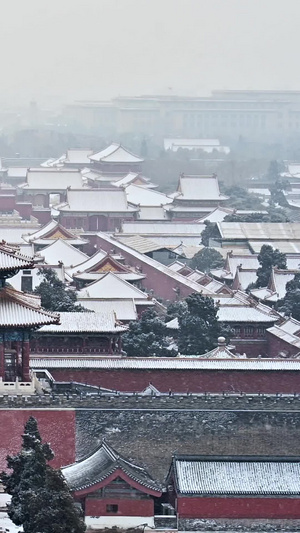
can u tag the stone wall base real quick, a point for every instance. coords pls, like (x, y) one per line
(243, 524)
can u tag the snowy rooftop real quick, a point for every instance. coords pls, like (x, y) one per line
(23, 310)
(240, 314)
(80, 157)
(61, 250)
(11, 259)
(111, 286)
(237, 477)
(96, 200)
(51, 179)
(199, 188)
(124, 310)
(115, 153)
(164, 228)
(260, 231)
(85, 322)
(162, 363)
(103, 463)
(287, 247)
(138, 195)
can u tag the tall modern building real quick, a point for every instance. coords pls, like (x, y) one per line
(267, 116)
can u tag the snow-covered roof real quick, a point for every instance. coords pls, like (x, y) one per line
(85, 322)
(165, 363)
(52, 179)
(134, 177)
(139, 243)
(199, 188)
(11, 259)
(14, 234)
(260, 231)
(115, 153)
(96, 200)
(279, 279)
(152, 213)
(291, 325)
(243, 314)
(237, 476)
(164, 228)
(285, 336)
(207, 145)
(138, 195)
(17, 172)
(61, 251)
(124, 310)
(80, 157)
(18, 309)
(286, 247)
(243, 278)
(103, 463)
(111, 286)
(53, 230)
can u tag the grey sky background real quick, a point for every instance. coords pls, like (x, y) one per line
(56, 51)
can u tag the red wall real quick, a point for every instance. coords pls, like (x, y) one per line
(185, 380)
(156, 280)
(238, 507)
(7, 203)
(56, 427)
(94, 507)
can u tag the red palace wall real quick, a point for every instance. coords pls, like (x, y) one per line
(238, 507)
(94, 507)
(187, 380)
(162, 285)
(56, 427)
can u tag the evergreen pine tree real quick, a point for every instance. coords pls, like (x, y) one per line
(268, 258)
(199, 327)
(147, 337)
(40, 499)
(55, 296)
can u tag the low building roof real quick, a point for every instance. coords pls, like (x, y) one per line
(115, 153)
(113, 200)
(143, 245)
(263, 231)
(102, 464)
(243, 314)
(104, 322)
(199, 188)
(111, 286)
(124, 310)
(52, 179)
(61, 251)
(138, 195)
(163, 228)
(236, 476)
(53, 230)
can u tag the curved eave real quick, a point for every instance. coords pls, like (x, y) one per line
(109, 476)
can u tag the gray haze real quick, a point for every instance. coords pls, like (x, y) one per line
(56, 51)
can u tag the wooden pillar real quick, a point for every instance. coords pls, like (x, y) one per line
(110, 345)
(2, 360)
(25, 360)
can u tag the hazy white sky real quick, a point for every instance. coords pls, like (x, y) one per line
(61, 50)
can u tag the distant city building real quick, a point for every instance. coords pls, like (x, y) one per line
(259, 116)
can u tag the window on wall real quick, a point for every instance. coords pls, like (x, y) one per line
(112, 508)
(261, 332)
(237, 331)
(26, 281)
(249, 331)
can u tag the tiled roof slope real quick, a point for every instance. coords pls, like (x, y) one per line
(85, 322)
(11, 259)
(237, 477)
(100, 465)
(115, 153)
(18, 309)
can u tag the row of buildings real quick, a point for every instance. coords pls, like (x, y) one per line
(184, 443)
(230, 114)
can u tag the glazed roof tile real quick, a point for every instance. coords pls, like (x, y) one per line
(101, 464)
(171, 363)
(19, 309)
(85, 322)
(111, 200)
(11, 259)
(237, 477)
(61, 250)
